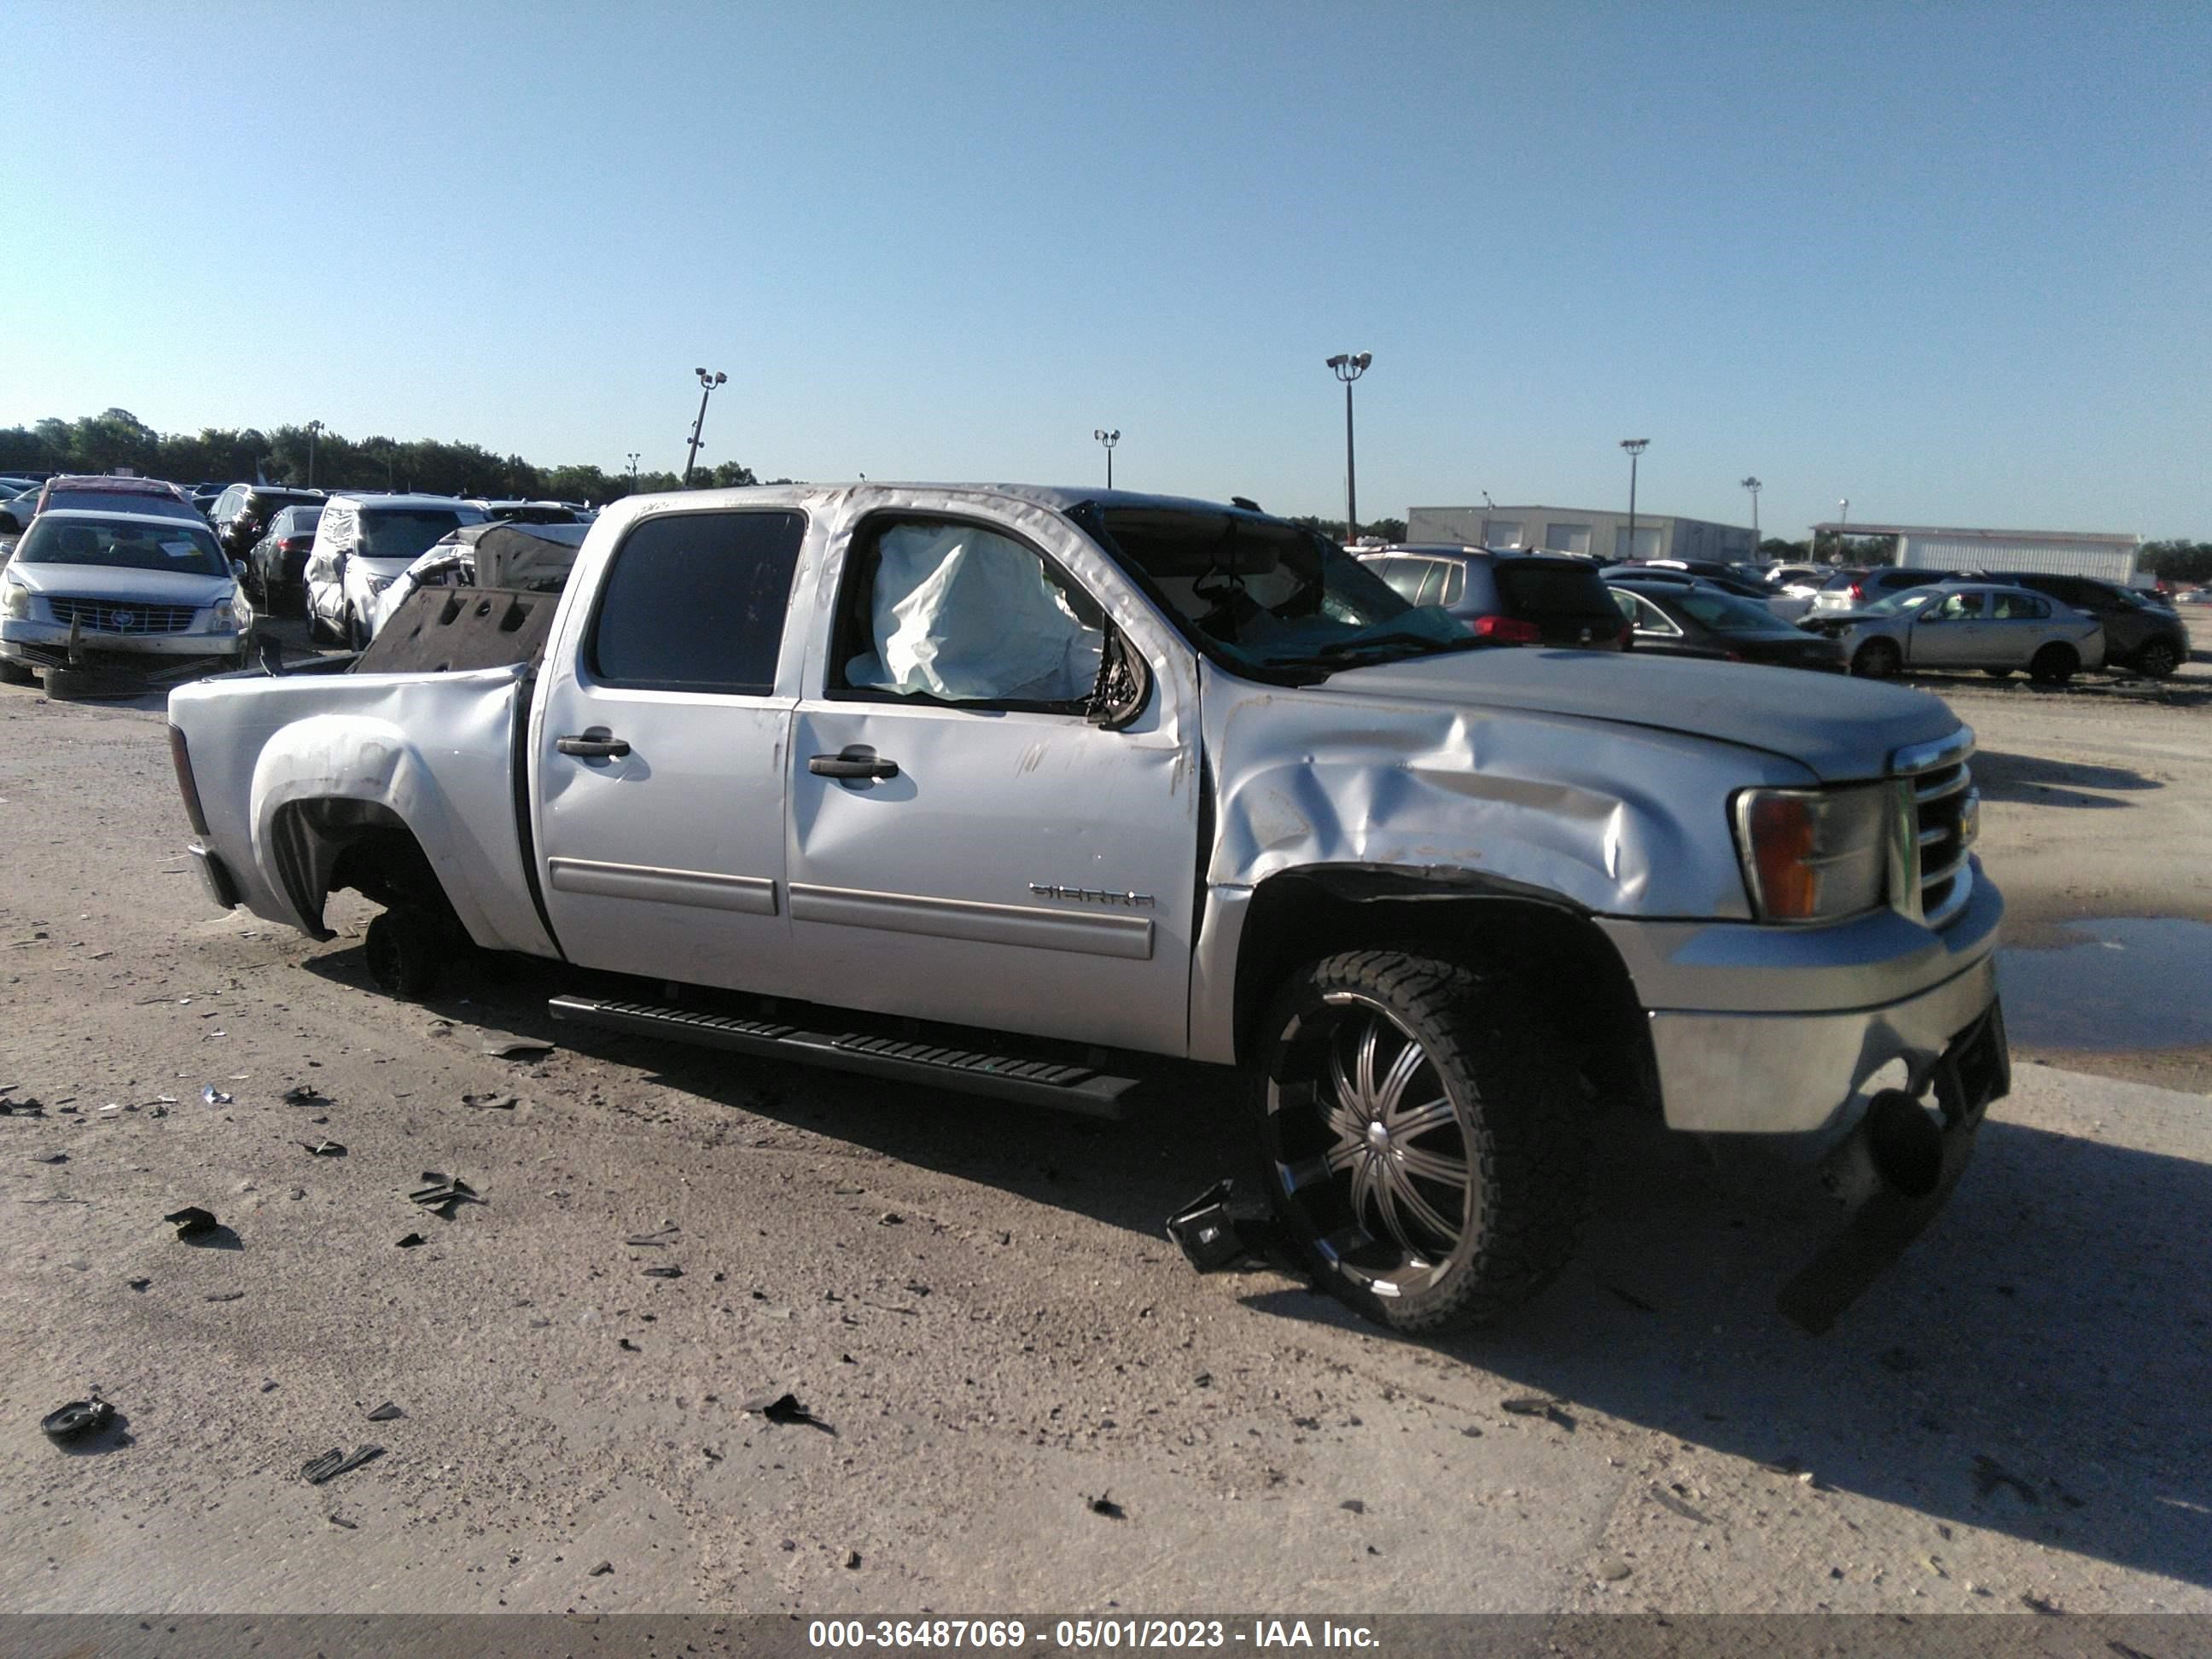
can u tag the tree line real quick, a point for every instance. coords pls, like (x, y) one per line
(117, 438)
(2177, 561)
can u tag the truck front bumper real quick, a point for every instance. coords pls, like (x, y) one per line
(1792, 1031)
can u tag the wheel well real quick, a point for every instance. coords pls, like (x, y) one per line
(323, 847)
(1551, 949)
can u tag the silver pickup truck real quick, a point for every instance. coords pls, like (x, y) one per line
(1052, 794)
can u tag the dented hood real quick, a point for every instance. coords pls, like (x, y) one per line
(1839, 728)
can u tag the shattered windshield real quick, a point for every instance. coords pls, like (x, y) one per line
(1267, 596)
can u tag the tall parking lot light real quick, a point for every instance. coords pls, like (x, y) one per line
(633, 471)
(1843, 525)
(1108, 439)
(1754, 487)
(1349, 367)
(1635, 446)
(313, 427)
(708, 383)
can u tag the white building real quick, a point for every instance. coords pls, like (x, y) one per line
(1579, 530)
(2109, 558)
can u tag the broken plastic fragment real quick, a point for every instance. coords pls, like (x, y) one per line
(658, 1241)
(386, 1412)
(191, 1221)
(411, 1240)
(1219, 1228)
(671, 1272)
(215, 1097)
(224, 1296)
(517, 1048)
(601, 1570)
(783, 1408)
(490, 1103)
(334, 1463)
(1103, 1504)
(324, 1148)
(77, 1418)
(304, 1094)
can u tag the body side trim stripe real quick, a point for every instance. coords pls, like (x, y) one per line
(1087, 934)
(752, 895)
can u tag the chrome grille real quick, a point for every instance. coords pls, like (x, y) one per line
(1939, 817)
(121, 616)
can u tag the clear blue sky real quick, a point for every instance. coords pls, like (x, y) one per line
(1953, 262)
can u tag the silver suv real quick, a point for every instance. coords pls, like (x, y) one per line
(1516, 598)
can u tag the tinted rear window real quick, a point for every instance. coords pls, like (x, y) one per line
(404, 532)
(1550, 590)
(695, 602)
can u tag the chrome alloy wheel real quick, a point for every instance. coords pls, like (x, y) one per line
(1367, 1144)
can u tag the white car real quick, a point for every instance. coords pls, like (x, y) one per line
(119, 590)
(537, 557)
(362, 544)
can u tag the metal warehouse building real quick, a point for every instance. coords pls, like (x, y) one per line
(2050, 552)
(1579, 530)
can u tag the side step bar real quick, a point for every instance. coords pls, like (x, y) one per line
(1034, 1082)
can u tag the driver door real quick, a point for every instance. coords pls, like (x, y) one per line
(1952, 632)
(964, 844)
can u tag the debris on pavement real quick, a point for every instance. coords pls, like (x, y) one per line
(783, 1408)
(338, 1520)
(601, 1570)
(139, 1284)
(192, 1222)
(1104, 1504)
(223, 1296)
(323, 1148)
(491, 1103)
(386, 1412)
(304, 1094)
(670, 1272)
(625, 1344)
(1537, 1405)
(1356, 1506)
(516, 1048)
(1989, 1474)
(1668, 1500)
(1221, 1228)
(1612, 1569)
(657, 1241)
(334, 1462)
(51, 1157)
(411, 1240)
(29, 1106)
(77, 1420)
(1629, 1298)
(443, 1194)
(852, 1560)
(215, 1096)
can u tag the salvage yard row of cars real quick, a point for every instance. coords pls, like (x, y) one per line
(338, 561)
(114, 582)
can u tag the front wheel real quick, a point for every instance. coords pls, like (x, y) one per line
(1421, 1138)
(1877, 659)
(2157, 659)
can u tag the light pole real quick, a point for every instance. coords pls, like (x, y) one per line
(1108, 439)
(706, 383)
(1349, 367)
(633, 471)
(313, 427)
(1754, 487)
(1635, 446)
(1843, 523)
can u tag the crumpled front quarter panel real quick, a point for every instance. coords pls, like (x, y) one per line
(1617, 819)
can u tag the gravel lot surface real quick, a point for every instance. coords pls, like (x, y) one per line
(978, 1305)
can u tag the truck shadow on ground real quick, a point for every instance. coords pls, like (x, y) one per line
(2031, 779)
(2033, 1365)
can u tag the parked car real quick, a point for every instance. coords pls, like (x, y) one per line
(1853, 588)
(103, 492)
(362, 543)
(1676, 621)
(527, 511)
(2141, 630)
(276, 567)
(530, 558)
(18, 510)
(241, 514)
(1783, 607)
(1808, 576)
(1516, 598)
(1124, 786)
(88, 591)
(1998, 629)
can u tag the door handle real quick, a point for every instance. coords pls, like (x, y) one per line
(854, 761)
(597, 744)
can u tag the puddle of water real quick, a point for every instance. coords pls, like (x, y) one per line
(2112, 983)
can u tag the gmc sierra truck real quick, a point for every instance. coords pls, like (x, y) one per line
(1049, 794)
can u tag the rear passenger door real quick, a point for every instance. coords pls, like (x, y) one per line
(660, 745)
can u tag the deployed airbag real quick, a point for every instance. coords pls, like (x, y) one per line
(968, 616)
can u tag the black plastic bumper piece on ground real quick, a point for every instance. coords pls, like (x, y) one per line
(1974, 1070)
(1063, 1087)
(215, 877)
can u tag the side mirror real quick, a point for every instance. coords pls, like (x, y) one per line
(238, 569)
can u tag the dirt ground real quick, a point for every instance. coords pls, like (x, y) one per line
(978, 1303)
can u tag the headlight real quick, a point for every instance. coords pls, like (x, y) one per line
(1814, 854)
(223, 617)
(378, 583)
(15, 600)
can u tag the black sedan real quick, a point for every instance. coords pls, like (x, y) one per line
(1675, 620)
